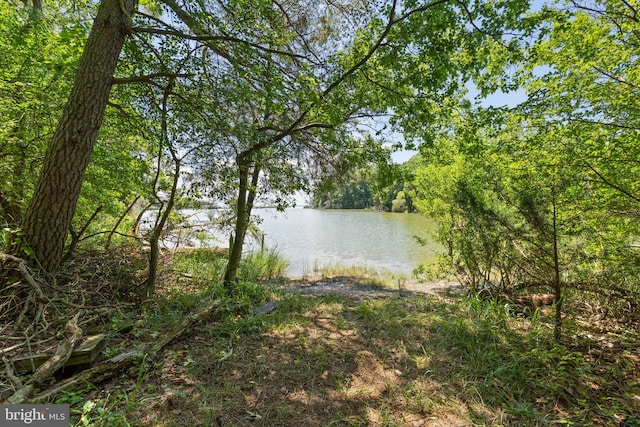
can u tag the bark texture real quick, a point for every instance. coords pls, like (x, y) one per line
(50, 211)
(246, 197)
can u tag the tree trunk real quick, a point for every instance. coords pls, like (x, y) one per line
(156, 234)
(163, 215)
(246, 197)
(557, 284)
(51, 209)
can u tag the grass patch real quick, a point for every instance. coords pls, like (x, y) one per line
(337, 269)
(266, 264)
(392, 361)
(201, 265)
(207, 266)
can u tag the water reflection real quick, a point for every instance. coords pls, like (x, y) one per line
(311, 237)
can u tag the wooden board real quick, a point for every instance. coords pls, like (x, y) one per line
(85, 353)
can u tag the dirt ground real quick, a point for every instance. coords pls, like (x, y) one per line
(359, 288)
(319, 367)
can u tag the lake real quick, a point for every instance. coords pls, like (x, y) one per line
(310, 238)
(316, 238)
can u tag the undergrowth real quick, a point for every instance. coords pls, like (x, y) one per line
(333, 360)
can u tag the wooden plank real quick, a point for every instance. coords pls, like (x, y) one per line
(111, 328)
(85, 353)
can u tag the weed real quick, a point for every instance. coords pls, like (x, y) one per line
(262, 265)
(202, 265)
(102, 413)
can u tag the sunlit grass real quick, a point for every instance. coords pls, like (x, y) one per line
(333, 269)
(336, 360)
(364, 274)
(201, 264)
(208, 265)
(265, 264)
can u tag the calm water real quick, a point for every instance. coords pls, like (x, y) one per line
(311, 237)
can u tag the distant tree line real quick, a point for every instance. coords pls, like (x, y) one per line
(385, 187)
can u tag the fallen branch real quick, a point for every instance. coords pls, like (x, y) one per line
(10, 349)
(599, 288)
(98, 373)
(47, 369)
(184, 325)
(22, 266)
(116, 365)
(6, 257)
(17, 382)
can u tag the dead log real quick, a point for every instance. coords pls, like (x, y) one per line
(98, 373)
(533, 301)
(116, 365)
(47, 369)
(530, 301)
(85, 353)
(599, 288)
(7, 257)
(184, 325)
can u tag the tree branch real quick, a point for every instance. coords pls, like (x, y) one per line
(614, 77)
(218, 38)
(344, 76)
(148, 78)
(612, 184)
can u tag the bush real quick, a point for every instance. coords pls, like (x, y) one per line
(400, 203)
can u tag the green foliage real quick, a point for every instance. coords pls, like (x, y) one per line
(400, 203)
(556, 170)
(202, 266)
(104, 411)
(376, 186)
(508, 185)
(100, 412)
(352, 192)
(586, 100)
(36, 72)
(262, 265)
(38, 68)
(500, 213)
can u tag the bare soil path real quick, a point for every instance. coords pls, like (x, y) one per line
(366, 288)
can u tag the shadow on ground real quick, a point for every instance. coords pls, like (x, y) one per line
(385, 360)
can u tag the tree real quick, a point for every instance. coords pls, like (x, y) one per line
(350, 191)
(507, 210)
(50, 212)
(367, 77)
(399, 203)
(40, 54)
(332, 87)
(283, 121)
(582, 79)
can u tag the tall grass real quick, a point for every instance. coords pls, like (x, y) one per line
(260, 265)
(336, 269)
(204, 265)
